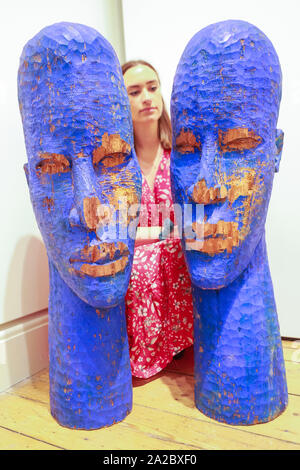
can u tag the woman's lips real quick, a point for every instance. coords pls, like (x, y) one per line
(148, 110)
(104, 259)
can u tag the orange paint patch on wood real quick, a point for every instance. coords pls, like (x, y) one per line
(100, 252)
(238, 139)
(225, 229)
(214, 245)
(116, 160)
(109, 269)
(90, 212)
(52, 163)
(247, 184)
(204, 195)
(186, 142)
(95, 213)
(241, 185)
(48, 202)
(111, 145)
(124, 197)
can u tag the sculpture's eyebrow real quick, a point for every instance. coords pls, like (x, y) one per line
(54, 157)
(49, 155)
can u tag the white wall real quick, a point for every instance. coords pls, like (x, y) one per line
(23, 267)
(158, 31)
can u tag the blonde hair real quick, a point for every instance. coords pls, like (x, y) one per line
(164, 122)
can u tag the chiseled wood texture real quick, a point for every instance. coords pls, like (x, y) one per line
(75, 109)
(164, 417)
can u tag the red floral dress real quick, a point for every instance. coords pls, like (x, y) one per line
(159, 306)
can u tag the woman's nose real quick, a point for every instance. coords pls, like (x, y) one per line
(146, 95)
(88, 210)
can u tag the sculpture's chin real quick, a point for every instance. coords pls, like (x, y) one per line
(99, 292)
(103, 293)
(217, 271)
(100, 303)
(207, 283)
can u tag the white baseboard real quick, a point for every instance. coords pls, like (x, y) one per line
(23, 348)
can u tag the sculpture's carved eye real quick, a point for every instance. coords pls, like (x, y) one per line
(186, 142)
(238, 139)
(113, 152)
(184, 149)
(110, 161)
(52, 163)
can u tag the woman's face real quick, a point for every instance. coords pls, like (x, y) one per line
(143, 89)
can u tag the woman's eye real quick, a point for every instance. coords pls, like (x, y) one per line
(52, 164)
(111, 161)
(133, 93)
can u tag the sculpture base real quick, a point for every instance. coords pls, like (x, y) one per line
(89, 373)
(100, 420)
(236, 421)
(239, 367)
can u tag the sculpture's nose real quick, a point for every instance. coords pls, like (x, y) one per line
(88, 209)
(209, 187)
(202, 194)
(94, 213)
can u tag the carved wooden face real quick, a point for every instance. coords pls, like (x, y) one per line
(82, 171)
(224, 110)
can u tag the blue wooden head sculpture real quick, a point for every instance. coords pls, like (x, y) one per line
(226, 149)
(83, 176)
(225, 105)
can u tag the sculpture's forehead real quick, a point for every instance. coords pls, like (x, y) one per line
(227, 74)
(66, 40)
(71, 86)
(229, 38)
(71, 60)
(210, 101)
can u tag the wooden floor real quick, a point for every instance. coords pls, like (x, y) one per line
(163, 417)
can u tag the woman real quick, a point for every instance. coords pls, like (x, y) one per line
(159, 302)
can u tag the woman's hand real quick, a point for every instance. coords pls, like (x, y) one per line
(146, 235)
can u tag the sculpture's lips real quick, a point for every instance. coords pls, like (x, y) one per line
(214, 238)
(104, 259)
